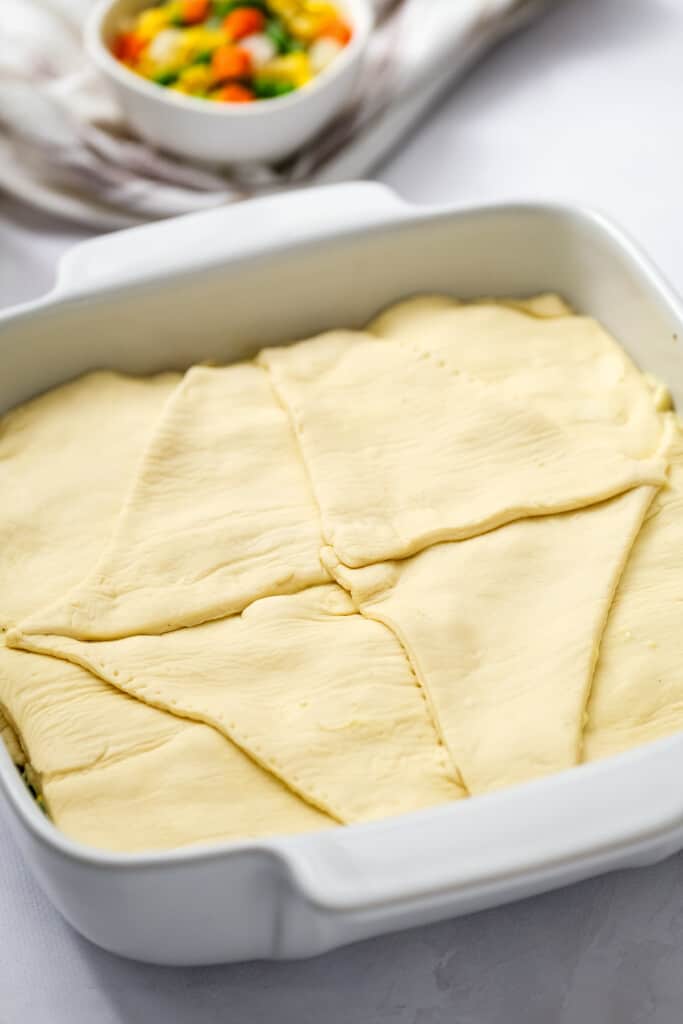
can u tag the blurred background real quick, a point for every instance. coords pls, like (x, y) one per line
(581, 103)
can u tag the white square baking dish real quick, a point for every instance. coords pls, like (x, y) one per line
(220, 285)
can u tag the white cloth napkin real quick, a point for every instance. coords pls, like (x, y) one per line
(64, 146)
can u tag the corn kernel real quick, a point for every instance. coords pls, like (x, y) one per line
(293, 67)
(152, 21)
(304, 25)
(194, 79)
(321, 8)
(287, 10)
(199, 40)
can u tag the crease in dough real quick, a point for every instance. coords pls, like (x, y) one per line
(637, 693)
(406, 451)
(120, 775)
(320, 696)
(193, 788)
(503, 632)
(52, 527)
(113, 772)
(220, 514)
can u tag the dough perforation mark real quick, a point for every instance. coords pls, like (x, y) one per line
(455, 772)
(310, 794)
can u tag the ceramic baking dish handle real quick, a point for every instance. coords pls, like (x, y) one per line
(228, 233)
(574, 818)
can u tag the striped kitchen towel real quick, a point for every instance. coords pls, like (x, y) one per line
(65, 148)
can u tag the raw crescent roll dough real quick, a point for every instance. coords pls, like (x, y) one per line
(637, 693)
(568, 367)
(65, 460)
(120, 775)
(368, 573)
(320, 696)
(405, 450)
(503, 632)
(221, 513)
(113, 772)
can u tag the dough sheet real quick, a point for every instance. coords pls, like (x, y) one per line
(113, 771)
(637, 692)
(405, 449)
(364, 574)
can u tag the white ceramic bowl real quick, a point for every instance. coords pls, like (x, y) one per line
(226, 133)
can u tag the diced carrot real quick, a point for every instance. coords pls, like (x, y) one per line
(334, 28)
(236, 93)
(128, 46)
(118, 47)
(193, 11)
(230, 62)
(244, 21)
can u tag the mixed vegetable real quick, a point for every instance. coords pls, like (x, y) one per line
(233, 51)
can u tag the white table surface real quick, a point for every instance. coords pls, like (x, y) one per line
(587, 106)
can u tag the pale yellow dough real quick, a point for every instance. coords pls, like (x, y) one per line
(114, 772)
(65, 461)
(567, 367)
(319, 695)
(405, 449)
(365, 574)
(637, 693)
(503, 632)
(221, 514)
(121, 775)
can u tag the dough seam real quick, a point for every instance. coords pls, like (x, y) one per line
(426, 697)
(418, 675)
(297, 444)
(104, 761)
(510, 515)
(448, 758)
(309, 795)
(291, 420)
(602, 626)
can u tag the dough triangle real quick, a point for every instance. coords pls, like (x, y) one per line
(120, 775)
(320, 696)
(503, 632)
(66, 459)
(637, 693)
(113, 772)
(405, 451)
(220, 514)
(567, 366)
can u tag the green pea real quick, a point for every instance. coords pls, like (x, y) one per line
(280, 36)
(165, 77)
(223, 7)
(268, 88)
